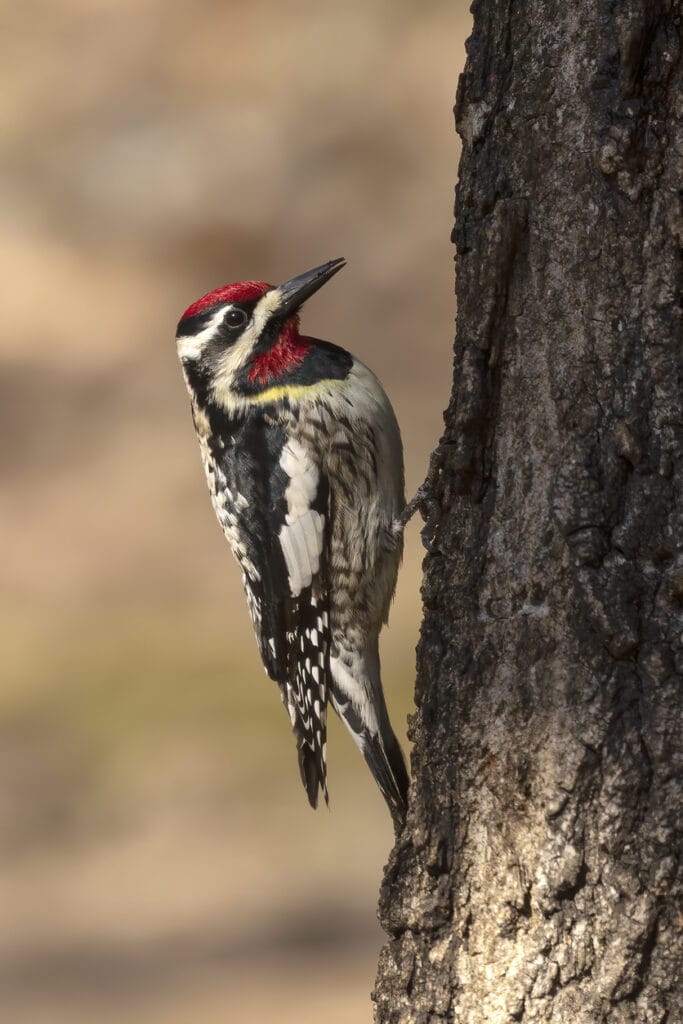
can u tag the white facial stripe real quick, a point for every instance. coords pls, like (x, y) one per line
(237, 356)
(191, 346)
(265, 307)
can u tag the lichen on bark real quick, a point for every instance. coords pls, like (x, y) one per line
(538, 876)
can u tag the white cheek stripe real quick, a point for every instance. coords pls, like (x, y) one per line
(237, 356)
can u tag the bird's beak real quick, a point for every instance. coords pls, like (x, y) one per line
(294, 293)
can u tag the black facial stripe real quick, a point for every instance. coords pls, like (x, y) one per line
(194, 324)
(268, 336)
(248, 307)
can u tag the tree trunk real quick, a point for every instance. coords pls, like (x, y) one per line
(536, 879)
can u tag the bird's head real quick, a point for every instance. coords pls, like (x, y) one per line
(242, 339)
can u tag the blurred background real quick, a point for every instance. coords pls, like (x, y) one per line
(159, 861)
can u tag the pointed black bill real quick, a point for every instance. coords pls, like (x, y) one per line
(295, 292)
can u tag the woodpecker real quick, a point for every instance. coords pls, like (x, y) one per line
(303, 458)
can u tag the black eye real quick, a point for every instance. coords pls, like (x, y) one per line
(235, 318)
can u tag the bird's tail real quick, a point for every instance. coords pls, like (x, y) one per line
(358, 699)
(312, 768)
(304, 690)
(307, 712)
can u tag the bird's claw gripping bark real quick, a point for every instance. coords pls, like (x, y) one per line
(424, 501)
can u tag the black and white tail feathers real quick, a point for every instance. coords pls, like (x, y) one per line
(384, 758)
(305, 689)
(357, 697)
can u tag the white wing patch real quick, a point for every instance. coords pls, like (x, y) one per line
(301, 538)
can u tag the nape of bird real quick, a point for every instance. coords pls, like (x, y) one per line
(303, 458)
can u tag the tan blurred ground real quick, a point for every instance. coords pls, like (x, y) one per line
(159, 860)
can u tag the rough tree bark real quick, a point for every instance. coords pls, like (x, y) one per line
(537, 878)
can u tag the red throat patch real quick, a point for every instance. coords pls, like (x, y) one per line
(241, 291)
(288, 352)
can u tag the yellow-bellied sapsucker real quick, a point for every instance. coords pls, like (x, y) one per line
(303, 457)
